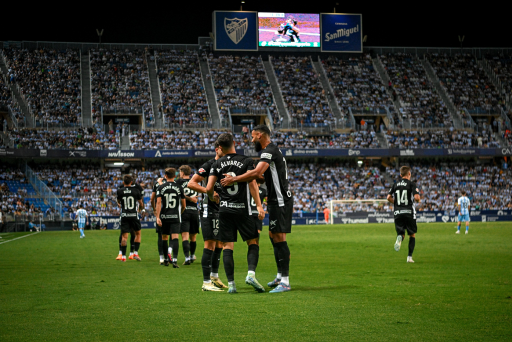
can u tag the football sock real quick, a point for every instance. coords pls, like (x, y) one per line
(169, 250)
(186, 248)
(284, 258)
(206, 261)
(229, 265)
(120, 239)
(137, 246)
(276, 256)
(123, 250)
(458, 227)
(467, 228)
(160, 249)
(216, 260)
(164, 247)
(132, 242)
(175, 248)
(252, 257)
(193, 246)
(81, 232)
(285, 280)
(412, 243)
(279, 276)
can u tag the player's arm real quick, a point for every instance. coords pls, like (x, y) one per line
(193, 184)
(191, 199)
(258, 171)
(416, 193)
(210, 186)
(158, 207)
(141, 205)
(153, 200)
(391, 199)
(183, 204)
(417, 198)
(254, 189)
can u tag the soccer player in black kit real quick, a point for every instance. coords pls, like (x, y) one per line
(235, 210)
(170, 205)
(403, 194)
(128, 197)
(209, 225)
(161, 252)
(189, 219)
(273, 167)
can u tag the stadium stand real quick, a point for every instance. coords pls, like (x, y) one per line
(501, 66)
(360, 139)
(441, 139)
(80, 139)
(358, 86)
(120, 83)
(49, 81)
(466, 83)
(183, 96)
(418, 98)
(241, 85)
(302, 91)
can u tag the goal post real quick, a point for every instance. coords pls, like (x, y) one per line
(335, 204)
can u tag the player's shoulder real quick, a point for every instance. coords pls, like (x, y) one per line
(270, 152)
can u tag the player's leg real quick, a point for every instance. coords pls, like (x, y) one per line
(160, 245)
(214, 275)
(400, 226)
(210, 260)
(277, 279)
(120, 256)
(282, 227)
(228, 235)
(193, 247)
(175, 234)
(136, 232)
(459, 221)
(185, 243)
(194, 230)
(125, 230)
(412, 229)
(132, 244)
(467, 223)
(248, 229)
(81, 226)
(165, 232)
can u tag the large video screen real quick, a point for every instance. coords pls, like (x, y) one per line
(289, 29)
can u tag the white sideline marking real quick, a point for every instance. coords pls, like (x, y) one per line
(21, 237)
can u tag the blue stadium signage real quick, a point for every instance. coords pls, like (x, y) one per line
(341, 32)
(235, 31)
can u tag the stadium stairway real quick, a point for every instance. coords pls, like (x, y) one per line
(278, 96)
(382, 140)
(155, 91)
(23, 105)
(329, 92)
(213, 107)
(457, 120)
(85, 80)
(377, 64)
(125, 143)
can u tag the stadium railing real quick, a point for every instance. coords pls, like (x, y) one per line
(46, 194)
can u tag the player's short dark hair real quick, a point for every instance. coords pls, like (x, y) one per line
(81, 206)
(262, 129)
(170, 172)
(216, 144)
(463, 192)
(225, 140)
(185, 169)
(127, 179)
(404, 170)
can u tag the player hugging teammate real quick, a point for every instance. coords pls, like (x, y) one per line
(288, 32)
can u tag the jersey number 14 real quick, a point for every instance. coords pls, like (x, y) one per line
(402, 199)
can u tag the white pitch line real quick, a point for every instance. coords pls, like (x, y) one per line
(21, 237)
(300, 33)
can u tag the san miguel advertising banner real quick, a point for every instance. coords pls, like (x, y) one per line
(235, 31)
(341, 32)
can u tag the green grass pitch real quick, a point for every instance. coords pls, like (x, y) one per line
(347, 282)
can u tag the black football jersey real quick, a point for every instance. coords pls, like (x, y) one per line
(156, 185)
(403, 192)
(263, 193)
(209, 207)
(191, 206)
(276, 176)
(128, 197)
(236, 198)
(171, 194)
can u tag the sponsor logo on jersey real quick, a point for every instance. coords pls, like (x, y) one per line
(201, 170)
(266, 156)
(273, 223)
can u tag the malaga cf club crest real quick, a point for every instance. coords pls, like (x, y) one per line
(236, 28)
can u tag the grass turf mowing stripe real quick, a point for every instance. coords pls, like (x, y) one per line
(20, 237)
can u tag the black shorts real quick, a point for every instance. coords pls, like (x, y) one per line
(210, 227)
(280, 218)
(169, 228)
(257, 222)
(128, 224)
(190, 223)
(229, 224)
(403, 223)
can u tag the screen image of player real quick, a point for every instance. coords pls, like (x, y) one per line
(289, 29)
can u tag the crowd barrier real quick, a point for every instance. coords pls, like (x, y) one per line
(368, 152)
(112, 222)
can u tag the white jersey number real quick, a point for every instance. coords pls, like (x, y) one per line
(403, 199)
(129, 203)
(170, 201)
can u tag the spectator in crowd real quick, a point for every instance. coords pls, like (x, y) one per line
(441, 139)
